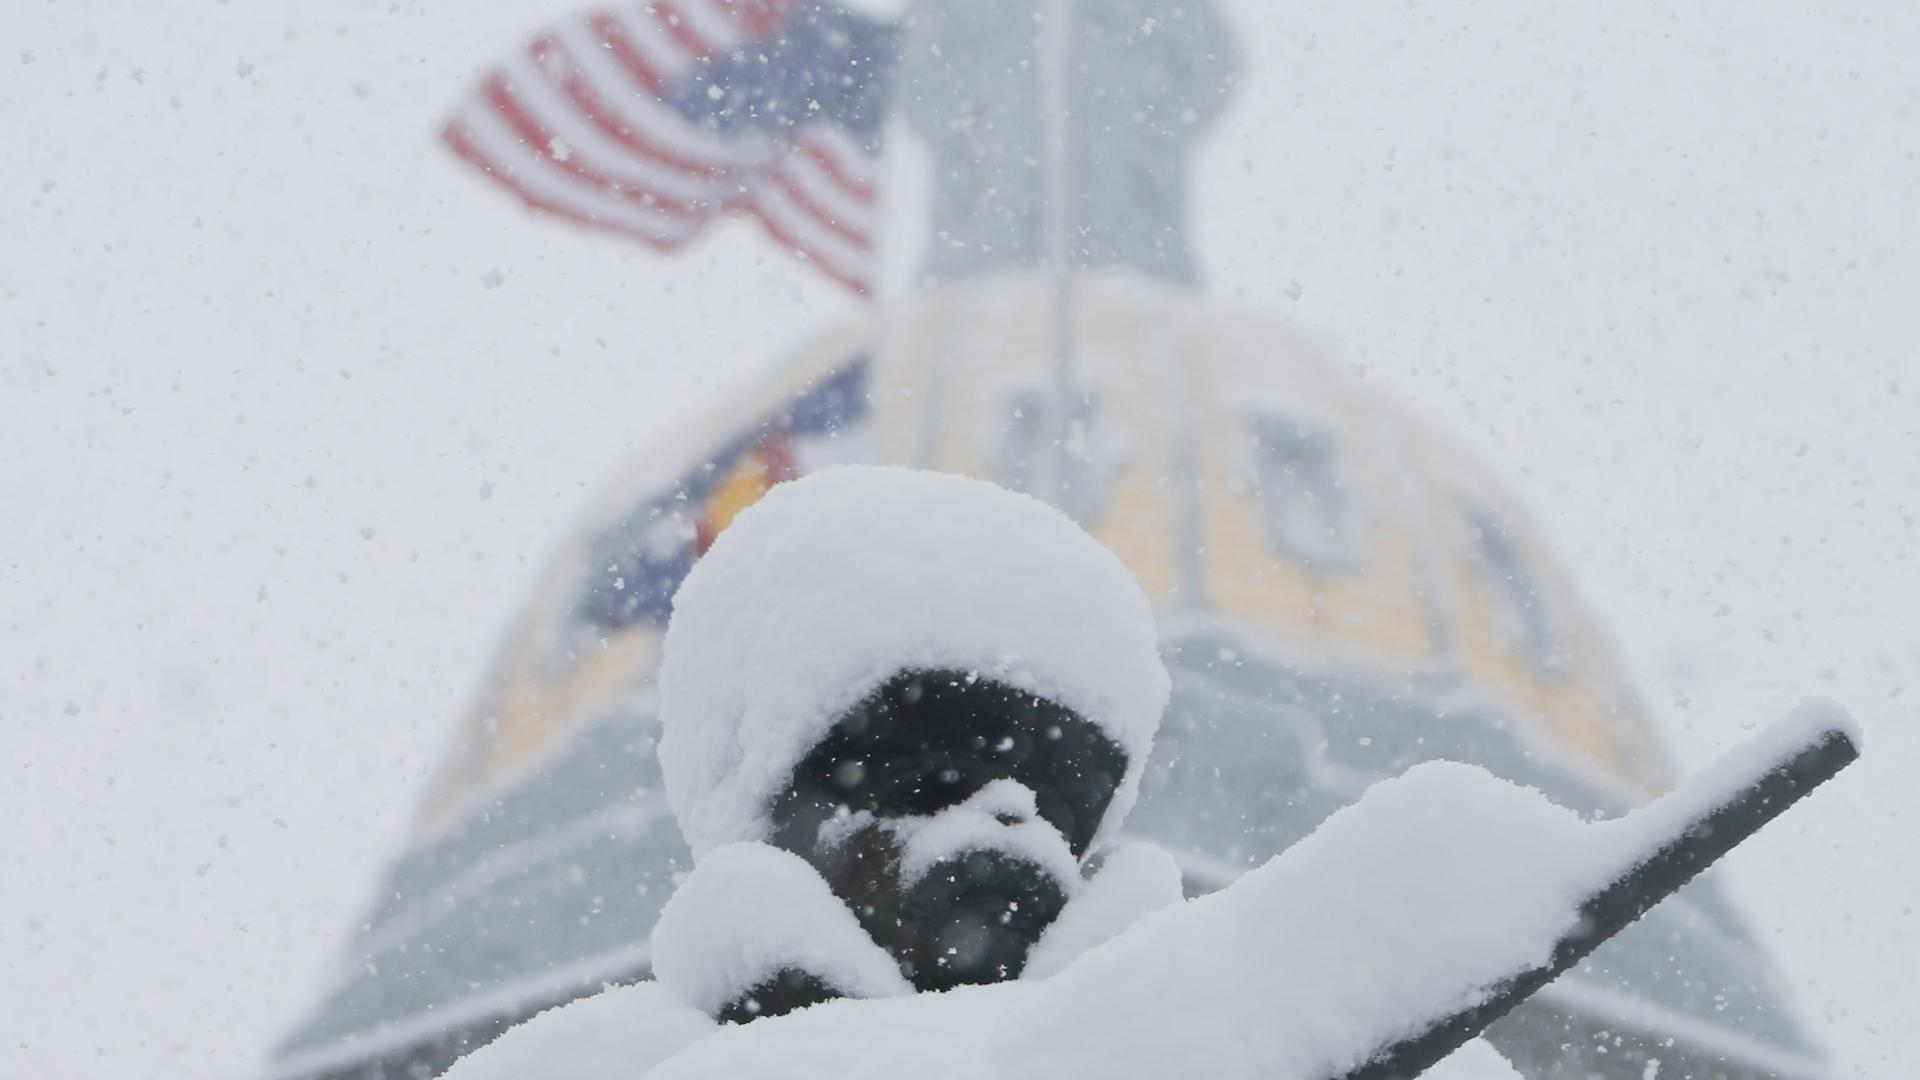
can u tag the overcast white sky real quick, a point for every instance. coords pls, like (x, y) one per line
(265, 349)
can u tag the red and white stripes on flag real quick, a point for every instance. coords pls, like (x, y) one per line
(585, 123)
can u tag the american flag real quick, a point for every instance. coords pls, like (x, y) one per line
(650, 119)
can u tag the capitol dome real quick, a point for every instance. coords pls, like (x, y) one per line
(1341, 594)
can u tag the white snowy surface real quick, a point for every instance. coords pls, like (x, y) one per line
(833, 583)
(747, 911)
(1636, 836)
(1408, 906)
(1133, 881)
(1477, 1060)
(714, 937)
(624, 1032)
(1002, 816)
(1402, 908)
(617, 1034)
(1399, 909)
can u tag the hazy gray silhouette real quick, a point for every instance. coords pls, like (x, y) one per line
(1147, 76)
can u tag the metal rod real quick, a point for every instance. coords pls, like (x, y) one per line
(1613, 908)
(1055, 62)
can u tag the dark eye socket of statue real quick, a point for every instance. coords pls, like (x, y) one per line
(922, 743)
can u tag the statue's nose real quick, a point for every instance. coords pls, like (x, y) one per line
(1008, 801)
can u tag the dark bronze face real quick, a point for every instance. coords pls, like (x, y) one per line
(923, 743)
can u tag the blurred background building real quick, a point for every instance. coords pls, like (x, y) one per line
(1341, 594)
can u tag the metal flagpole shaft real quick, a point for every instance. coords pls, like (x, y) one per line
(1056, 28)
(1700, 840)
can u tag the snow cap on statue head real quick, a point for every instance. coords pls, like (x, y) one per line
(830, 585)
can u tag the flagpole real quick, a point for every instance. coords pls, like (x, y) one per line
(1055, 176)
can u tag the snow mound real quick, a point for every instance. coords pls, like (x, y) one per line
(617, 1034)
(1407, 907)
(833, 583)
(1404, 907)
(1134, 880)
(1399, 909)
(748, 911)
(978, 824)
(1639, 834)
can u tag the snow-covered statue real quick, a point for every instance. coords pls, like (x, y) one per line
(902, 712)
(1141, 81)
(905, 713)
(904, 708)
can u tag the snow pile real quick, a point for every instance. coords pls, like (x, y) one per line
(748, 911)
(1000, 817)
(1398, 909)
(1407, 907)
(1401, 908)
(1638, 835)
(831, 584)
(1415, 903)
(617, 1034)
(1134, 880)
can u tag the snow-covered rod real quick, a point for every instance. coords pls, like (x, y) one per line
(1686, 832)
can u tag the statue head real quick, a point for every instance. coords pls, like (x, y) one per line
(951, 812)
(936, 692)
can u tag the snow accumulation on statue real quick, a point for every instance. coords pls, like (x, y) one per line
(905, 714)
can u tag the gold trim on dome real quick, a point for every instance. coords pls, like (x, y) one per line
(1174, 381)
